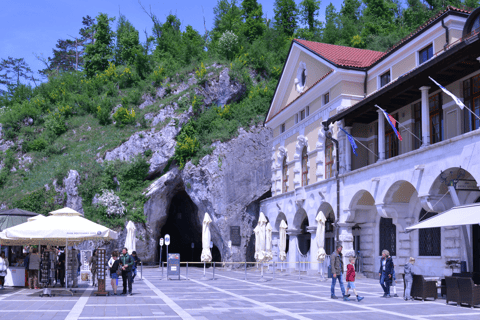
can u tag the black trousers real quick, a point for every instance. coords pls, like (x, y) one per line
(61, 276)
(127, 277)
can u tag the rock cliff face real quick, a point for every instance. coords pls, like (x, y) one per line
(227, 184)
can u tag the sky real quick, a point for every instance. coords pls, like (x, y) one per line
(29, 27)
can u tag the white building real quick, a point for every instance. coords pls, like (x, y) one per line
(399, 183)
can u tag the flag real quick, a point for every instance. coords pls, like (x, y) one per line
(352, 141)
(457, 101)
(392, 122)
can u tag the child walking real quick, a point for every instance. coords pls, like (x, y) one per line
(351, 278)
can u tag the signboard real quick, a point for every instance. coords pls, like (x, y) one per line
(161, 241)
(470, 185)
(167, 239)
(235, 236)
(173, 268)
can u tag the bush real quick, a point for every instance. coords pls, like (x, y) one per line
(123, 116)
(38, 144)
(103, 116)
(201, 74)
(228, 44)
(55, 123)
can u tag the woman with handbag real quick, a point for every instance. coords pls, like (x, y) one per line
(115, 271)
(3, 270)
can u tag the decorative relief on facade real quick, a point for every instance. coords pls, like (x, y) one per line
(320, 160)
(302, 142)
(282, 174)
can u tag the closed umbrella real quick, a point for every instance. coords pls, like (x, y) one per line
(130, 241)
(283, 241)
(268, 242)
(260, 238)
(320, 236)
(206, 238)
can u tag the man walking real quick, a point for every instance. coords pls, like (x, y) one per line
(126, 261)
(336, 263)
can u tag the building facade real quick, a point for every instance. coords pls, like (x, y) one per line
(390, 184)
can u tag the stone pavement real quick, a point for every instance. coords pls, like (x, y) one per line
(229, 296)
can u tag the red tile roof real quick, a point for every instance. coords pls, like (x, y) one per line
(362, 58)
(301, 94)
(343, 56)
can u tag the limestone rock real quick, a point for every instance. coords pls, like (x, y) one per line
(228, 185)
(71, 183)
(148, 100)
(5, 145)
(223, 91)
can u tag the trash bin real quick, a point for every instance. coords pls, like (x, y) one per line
(330, 275)
(463, 266)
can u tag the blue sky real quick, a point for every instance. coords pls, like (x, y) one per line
(28, 26)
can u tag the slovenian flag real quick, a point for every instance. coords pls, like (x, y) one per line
(457, 101)
(352, 141)
(392, 122)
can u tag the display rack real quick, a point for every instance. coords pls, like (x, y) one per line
(47, 272)
(101, 272)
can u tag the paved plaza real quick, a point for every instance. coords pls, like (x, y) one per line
(229, 296)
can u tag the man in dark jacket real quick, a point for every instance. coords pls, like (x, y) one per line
(336, 263)
(127, 262)
(386, 273)
(137, 261)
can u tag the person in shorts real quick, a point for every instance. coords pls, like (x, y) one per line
(351, 278)
(113, 272)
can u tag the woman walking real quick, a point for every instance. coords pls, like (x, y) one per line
(113, 271)
(386, 273)
(409, 278)
(3, 270)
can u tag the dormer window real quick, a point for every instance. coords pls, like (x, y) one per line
(425, 54)
(385, 78)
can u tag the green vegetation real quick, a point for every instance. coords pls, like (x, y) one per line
(100, 78)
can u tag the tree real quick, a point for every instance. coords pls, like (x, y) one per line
(252, 13)
(331, 33)
(193, 44)
(100, 52)
(170, 42)
(127, 44)
(14, 69)
(228, 17)
(308, 10)
(350, 23)
(415, 14)
(285, 16)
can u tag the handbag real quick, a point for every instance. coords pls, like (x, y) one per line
(119, 272)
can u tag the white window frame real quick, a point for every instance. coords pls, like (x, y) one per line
(417, 56)
(379, 78)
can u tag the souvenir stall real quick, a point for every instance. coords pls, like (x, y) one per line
(64, 227)
(15, 254)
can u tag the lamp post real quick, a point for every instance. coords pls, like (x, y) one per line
(160, 263)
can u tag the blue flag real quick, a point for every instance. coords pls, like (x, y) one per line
(352, 141)
(454, 97)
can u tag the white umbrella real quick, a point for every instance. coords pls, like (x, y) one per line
(258, 232)
(130, 241)
(320, 237)
(283, 240)
(206, 238)
(268, 242)
(56, 229)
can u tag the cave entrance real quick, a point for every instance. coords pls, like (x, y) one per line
(184, 228)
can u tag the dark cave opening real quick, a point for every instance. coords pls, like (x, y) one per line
(184, 228)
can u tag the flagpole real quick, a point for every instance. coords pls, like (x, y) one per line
(472, 112)
(403, 126)
(364, 146)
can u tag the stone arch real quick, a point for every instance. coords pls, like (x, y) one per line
(329, 241)
(302, 142)
(399, 203)
(280, 216)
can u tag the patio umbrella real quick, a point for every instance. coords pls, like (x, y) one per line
(268, 242)
(283, 240)
(130, 241)
(206, 238)
(320, 236)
